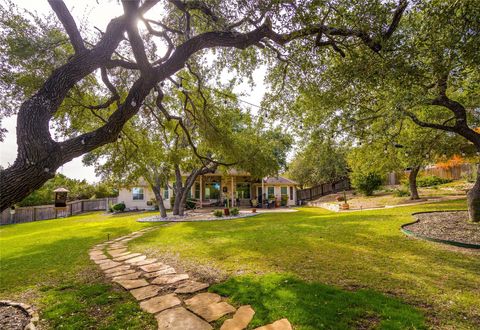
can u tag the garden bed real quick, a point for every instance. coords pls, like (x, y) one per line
(445, 227)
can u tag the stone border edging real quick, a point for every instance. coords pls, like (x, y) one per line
(436, 240)
(25, 308)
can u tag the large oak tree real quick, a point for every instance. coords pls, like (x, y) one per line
(238, 30)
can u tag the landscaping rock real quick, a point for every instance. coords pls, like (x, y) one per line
(180, 319)
(144, 262)
(132, 284)
(130, 276)
(213, 311)
(109, 264)
(166, 271)
(145, 292)
(240, 320)
(158, 304)
(282, 324)
(154, 267)
(116, 269)
(127, 256)
(205, 298)
(191, 287)
(136, 259)
(170, 279)
(121, 272)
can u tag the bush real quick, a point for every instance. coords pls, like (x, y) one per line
(218, 213)
(401, 193)
(431, 180)
(340, 198)
(235, 211)
(368, 183)
(284, 200)
(120, 207)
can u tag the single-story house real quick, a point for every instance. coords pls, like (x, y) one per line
(214, 189)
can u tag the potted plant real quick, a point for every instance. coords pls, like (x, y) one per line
(226, 210)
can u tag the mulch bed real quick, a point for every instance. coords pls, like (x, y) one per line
(13, 318)
(451, 226)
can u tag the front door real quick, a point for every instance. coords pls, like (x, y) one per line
(259, 195)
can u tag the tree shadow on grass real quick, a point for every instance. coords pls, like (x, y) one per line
(316, 306)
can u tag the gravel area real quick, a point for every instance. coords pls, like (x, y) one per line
(13, 318)
(451, 226)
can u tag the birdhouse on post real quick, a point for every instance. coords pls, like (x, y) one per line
(61, 197)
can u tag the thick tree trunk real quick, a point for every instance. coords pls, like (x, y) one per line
(473, 199)
(159, 199)
(412, 183)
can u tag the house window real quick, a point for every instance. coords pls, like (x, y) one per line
(243, 190)
(197, 190)
(165, 193)
(212, 190)
(291, 193)
(271, 192)
(137, 194)
(283, 191)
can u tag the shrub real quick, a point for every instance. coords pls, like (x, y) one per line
(120, 207)
(401, 193)
(431, 180)
(218, 213)
(235, 211)
(284, 200)
(367, 183)
(340, 198)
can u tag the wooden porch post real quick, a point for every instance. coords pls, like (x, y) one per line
(201, 191)
(233, 200)
(264, 195)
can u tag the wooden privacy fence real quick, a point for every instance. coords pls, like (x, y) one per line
(322, 190)
(45, 212)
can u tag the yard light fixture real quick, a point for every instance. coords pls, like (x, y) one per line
(61, 197)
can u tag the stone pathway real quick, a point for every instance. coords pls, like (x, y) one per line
(178, 302)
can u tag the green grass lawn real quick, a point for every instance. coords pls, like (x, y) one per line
(329, 257)
(46, 263)
(317, 268)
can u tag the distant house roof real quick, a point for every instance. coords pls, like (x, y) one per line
(279, 180)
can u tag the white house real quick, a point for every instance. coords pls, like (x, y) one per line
(213, 190)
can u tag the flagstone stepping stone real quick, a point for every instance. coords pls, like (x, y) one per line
(144, 262)
(117, 252)
(136, 259)
(213, 311)
(145, 292)
(122, 272)
(166, 271)
(209, 306)
(158, 304)
(109, 264)
(191, 287)
(98, 257)
(170, 279)
(131, 276)
(116, 269)
(132, 284)
(154, 267)
(180, 319)
(205, 298)
(101, 261)
(282, 324)
(240, 320)
(127, 256)
(116, 246)
(121, 254)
